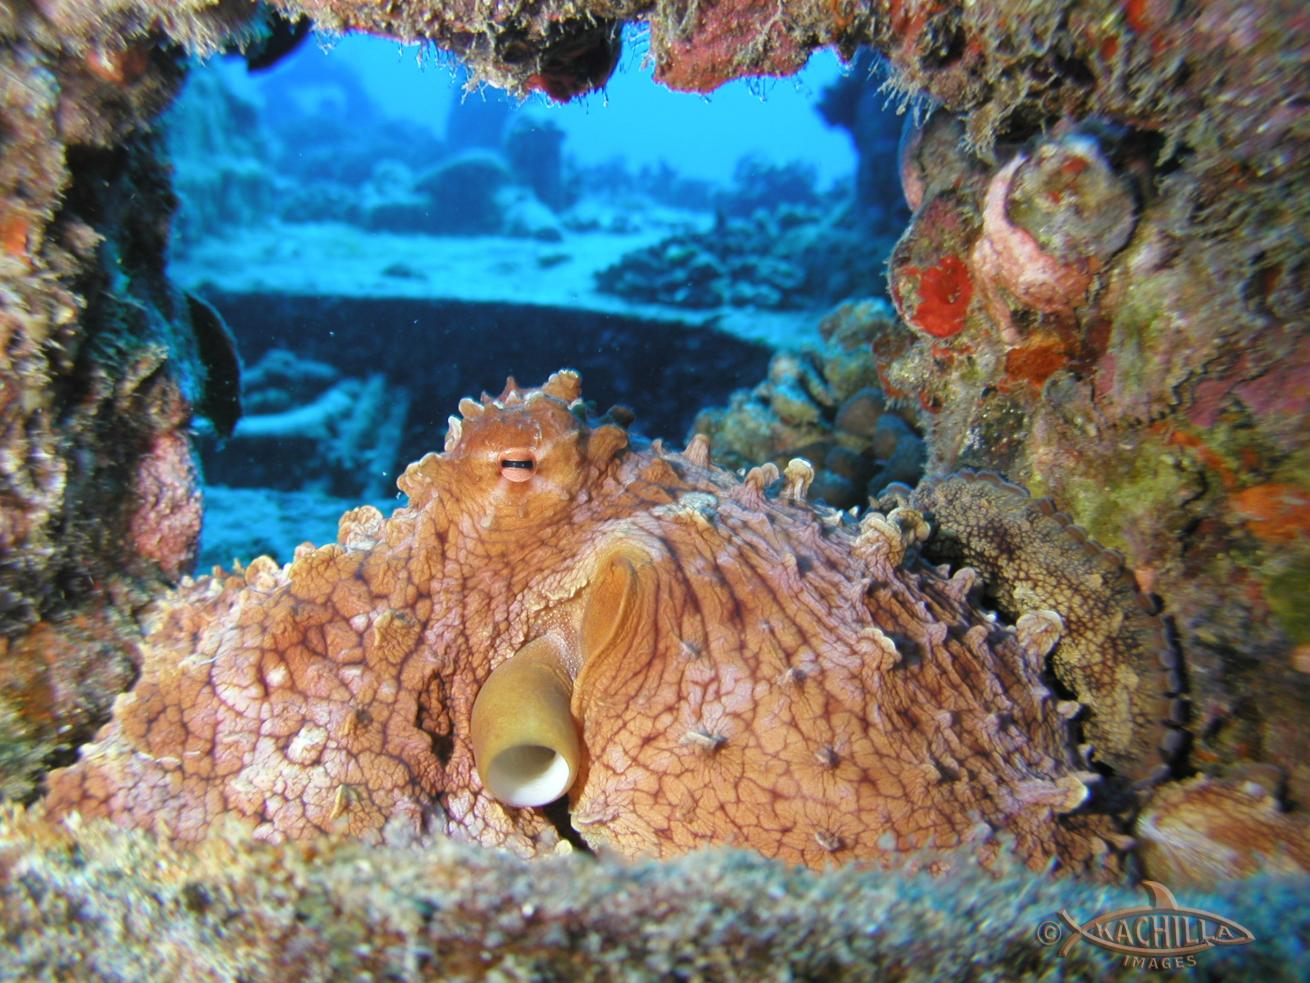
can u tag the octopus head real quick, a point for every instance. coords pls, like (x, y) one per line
(520, 461)
(515, 466)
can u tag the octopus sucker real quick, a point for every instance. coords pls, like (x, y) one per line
(1115, 652)
(687, 655)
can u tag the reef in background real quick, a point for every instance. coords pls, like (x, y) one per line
(825, 404)
(306, 186)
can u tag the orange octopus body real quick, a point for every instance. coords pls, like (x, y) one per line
(747, 668)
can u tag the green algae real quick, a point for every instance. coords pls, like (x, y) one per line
(22, 754)
(1143, 487)
(1286, 594)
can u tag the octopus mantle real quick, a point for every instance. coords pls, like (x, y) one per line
(746, 668)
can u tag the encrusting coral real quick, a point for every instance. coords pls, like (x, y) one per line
(1050, 220)
(105, 365)
(824, 404)
(56, 684)
(1085, 317)
(741, 667)
(102, 903)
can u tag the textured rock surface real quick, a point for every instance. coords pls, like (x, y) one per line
(747, 669)
(1088, 319)
(105, 365)
(57, 682)
(328, 910)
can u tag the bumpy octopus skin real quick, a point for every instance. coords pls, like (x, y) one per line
(1115, 651)
(746, 668)
(1203, 831)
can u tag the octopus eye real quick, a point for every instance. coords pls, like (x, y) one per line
(517, 465)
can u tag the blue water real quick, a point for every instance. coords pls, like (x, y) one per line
(701, 136)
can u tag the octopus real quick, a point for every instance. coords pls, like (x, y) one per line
(1116, 652)
(571, 634)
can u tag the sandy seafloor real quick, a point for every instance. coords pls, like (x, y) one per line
(339, 260)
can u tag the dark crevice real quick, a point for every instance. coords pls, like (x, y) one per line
(559, 817)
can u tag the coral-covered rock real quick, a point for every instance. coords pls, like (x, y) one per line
(741, 263)
(1007, 257)
(462, 194)
(165, 525)
(221, 153)
(1030, 237)
(826, 406)
(931, 152)
(56, 684)
(713, 44)
(105, 360)
(786, 256)
(857, 103)
(336, 908)
(578, 56)
(778, 242)
(930, 278)
(1050, 221)
(1077, 206)
(759, 183)
(1144, 373)
(860, 412)
(525, 216)
(534, 149)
